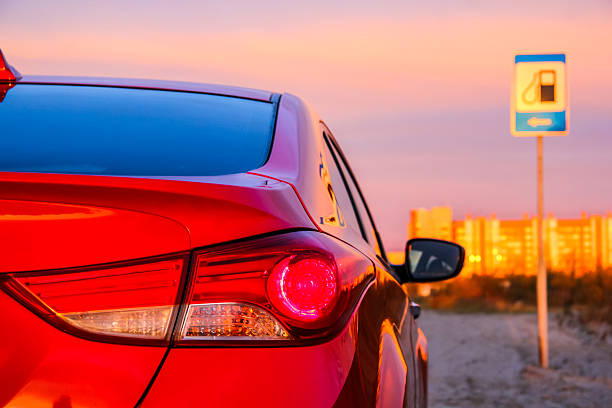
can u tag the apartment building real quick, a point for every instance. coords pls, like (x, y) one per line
(501, 247)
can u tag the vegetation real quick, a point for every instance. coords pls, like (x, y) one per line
(588, 298)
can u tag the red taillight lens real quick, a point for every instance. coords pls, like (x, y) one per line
(299, 286)
(130, 300)
(304, 287)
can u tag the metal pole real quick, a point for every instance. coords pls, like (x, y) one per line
(541, 282)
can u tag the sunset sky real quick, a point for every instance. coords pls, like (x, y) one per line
(416, 92)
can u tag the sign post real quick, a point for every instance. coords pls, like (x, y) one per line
(540, 107)
(541, 285)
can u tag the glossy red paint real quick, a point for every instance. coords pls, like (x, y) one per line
(296, 193)
(312, 376)
(296, 159)
(52, 221)
(41, 365)
(39, 235)
(392, 369)
(422, 354)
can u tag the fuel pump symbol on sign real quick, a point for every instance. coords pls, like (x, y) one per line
(542, 87)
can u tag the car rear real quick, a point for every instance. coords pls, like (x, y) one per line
(143, 263)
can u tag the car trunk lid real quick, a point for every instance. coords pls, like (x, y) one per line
(53, 221)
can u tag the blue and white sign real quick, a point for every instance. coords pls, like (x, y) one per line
(540, 104)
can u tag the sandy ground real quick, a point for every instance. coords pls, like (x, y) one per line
(490, 360)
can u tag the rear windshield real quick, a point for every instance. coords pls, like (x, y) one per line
(115, 131)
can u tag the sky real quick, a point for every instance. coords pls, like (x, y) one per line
(416, 92)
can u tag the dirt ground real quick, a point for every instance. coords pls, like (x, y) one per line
(490, 360)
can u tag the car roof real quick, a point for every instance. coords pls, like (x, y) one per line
(134, 83)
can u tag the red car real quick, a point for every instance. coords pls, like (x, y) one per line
(168, 244)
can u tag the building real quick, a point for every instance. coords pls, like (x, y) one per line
(582, 244)
(501, 247)
(429, 223)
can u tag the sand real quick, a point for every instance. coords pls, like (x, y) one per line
(491, 360)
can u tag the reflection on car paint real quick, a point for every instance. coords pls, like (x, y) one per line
(333, 219)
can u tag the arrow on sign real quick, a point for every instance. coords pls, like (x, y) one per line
(535, 122)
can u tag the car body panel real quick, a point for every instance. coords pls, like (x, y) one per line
(392, 369)
(298, 135)
(291, 159)
(422, 357)
(41, 366)
(308, 376)
(385, 308)
(43, 235)
(122, 218)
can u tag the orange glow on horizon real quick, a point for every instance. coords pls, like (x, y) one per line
(391, 58)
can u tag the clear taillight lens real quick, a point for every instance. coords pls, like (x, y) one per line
(231, 321)
(141, 322)
(129, 300)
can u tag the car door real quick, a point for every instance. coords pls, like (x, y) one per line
(395, 323)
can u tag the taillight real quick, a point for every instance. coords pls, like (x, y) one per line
(296, 286)
(135, 301)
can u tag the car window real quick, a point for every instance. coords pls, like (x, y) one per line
(344, 214)
(131, 132)
(361, 211)
(369, 230)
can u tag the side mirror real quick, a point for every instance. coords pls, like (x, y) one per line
(429, 260)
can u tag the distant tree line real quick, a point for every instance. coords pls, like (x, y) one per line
(588, 297)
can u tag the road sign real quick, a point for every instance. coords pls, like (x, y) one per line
(539, 105)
